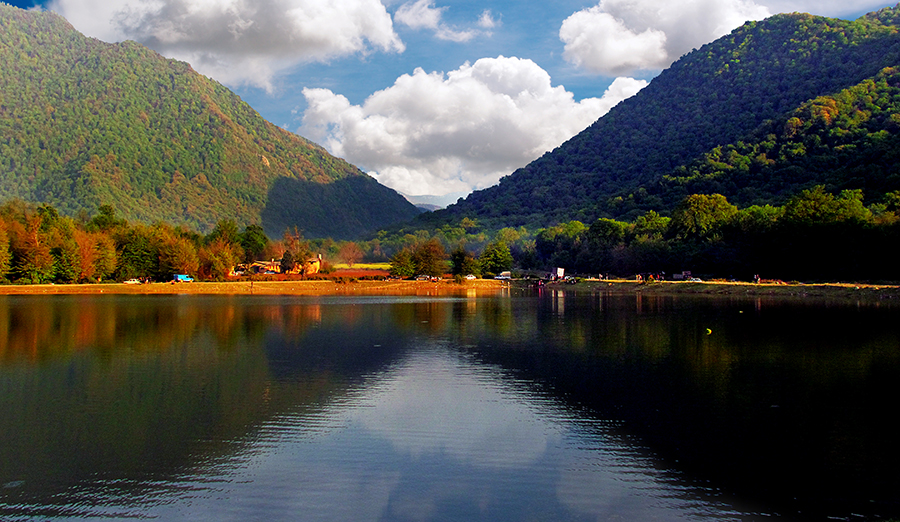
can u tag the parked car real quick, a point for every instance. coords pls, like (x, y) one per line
(471, 277)
(132, 281)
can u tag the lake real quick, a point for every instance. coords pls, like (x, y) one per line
(544, 406)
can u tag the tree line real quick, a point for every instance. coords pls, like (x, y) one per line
(815, 235)
(40, 245)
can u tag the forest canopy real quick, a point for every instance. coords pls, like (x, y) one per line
(85, 123)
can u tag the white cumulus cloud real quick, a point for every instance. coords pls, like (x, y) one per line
(435, 133)
(622, 36)
(240, 41)
(422, 14)
(487, 20)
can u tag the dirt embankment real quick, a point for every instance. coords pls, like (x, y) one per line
(480, 287)
(309, 287)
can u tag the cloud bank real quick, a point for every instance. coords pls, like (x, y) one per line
(240, 41)
(432, 133)
(618, 37)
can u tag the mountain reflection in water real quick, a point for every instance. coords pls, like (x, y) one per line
(524, 407)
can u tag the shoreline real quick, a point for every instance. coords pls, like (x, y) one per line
(851, 291)
(319, 287)
(842, 291)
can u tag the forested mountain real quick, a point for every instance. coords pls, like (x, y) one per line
(85, 123)
(745, 86)
(847, 141)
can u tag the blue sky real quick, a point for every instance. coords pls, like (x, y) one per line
(432, 97)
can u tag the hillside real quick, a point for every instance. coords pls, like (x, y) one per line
(85, 123)
(711, 97)
(846, 141)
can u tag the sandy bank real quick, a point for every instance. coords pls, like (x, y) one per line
(319, 287)
(479, 287)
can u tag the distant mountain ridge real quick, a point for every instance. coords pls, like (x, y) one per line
(85, 123)
(712, 97)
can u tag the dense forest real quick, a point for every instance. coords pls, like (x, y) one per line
(723, 97)
(846, 141)
(84, 123)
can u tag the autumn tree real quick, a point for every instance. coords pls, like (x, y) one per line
(218, 258)
(296, 250)
(106, 258)
(33, 261)
(177, 255)
(5, 254)
(350, 253)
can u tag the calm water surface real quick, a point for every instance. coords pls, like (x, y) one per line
(545, 407)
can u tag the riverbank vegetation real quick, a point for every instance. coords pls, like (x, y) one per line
(39, 245)
(814, 236)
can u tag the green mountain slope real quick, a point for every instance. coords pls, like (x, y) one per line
(85, 123)
(711, 97)
(850, 140)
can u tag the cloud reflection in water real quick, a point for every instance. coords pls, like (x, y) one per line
(439, 435)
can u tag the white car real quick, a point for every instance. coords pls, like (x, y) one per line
(132, 281)
(471, 277)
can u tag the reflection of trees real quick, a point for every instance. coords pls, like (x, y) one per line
(180, 381)
(775, 399)
(129, 389)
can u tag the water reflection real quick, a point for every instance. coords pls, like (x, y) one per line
(561, 407)
(440, 436)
